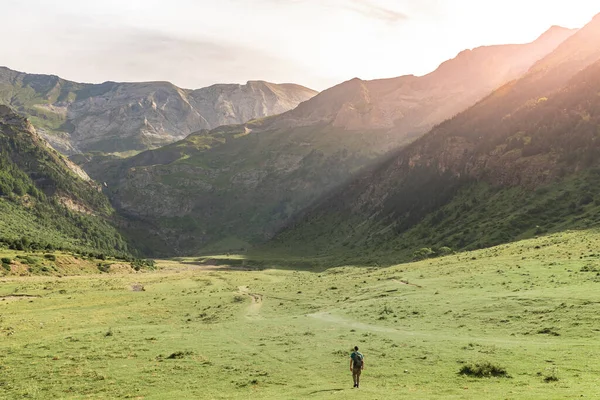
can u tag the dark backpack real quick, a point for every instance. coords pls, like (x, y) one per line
(358, 360)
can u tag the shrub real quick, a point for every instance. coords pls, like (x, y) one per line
(444, 251)
(483, 370)
(50, 257)
(548, 331)
(179, 355)
(423, 253)
(142, 264)
(104, 267)
(29, 260)
(6, 260)
(552, 376)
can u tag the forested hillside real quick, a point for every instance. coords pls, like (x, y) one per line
(46, 202)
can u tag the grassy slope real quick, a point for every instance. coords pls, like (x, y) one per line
(59, 263)
(490, 305)
(478, 215)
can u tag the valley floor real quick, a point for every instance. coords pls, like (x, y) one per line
(188, 331)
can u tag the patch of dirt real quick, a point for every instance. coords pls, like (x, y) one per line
(17, 268)
(138, 287)
(69, 265)
(74, 206)
(121, 268)
(15, 297)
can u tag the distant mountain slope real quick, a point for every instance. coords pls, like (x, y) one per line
(119, 117)
(235, 186)
(45, 199)
(521, 162)
(410, 105)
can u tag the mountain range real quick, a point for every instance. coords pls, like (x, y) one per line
(521, 162)
(496, 144)
(120, 117)
(235, 186)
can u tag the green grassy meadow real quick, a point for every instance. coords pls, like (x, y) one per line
(192, 331)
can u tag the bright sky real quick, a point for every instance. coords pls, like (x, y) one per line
(316, 43)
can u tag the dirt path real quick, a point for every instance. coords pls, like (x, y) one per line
(255, 304)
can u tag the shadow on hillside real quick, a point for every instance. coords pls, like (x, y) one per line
(260, 261)
(250, 263)
(326, 390)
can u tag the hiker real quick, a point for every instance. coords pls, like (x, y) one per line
(357, 364)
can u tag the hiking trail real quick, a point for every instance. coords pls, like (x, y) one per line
(256, 303)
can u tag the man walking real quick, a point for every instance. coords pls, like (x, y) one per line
(357, 364)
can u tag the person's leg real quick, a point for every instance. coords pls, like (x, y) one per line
(358, 371)
(354, 378)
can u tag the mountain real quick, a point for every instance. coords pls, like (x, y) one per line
(410, 105)
(45, 200)
(120, 117)
(523, 161)
(236, 186)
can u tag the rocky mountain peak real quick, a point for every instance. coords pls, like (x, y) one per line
(555, 30)
(577, 51)
(116, 117)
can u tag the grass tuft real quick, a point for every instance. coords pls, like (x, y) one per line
(483, 370)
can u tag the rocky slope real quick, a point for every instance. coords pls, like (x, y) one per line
(521, 162)
(235, 186)
(119, 117)
(45, 200)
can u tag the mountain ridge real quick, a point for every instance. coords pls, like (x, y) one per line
(126, 116)
(519, 162)
(418, 102)
(234, 186)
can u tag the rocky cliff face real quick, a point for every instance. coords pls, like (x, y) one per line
(119, 117)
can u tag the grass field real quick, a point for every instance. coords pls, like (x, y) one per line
(190, 331)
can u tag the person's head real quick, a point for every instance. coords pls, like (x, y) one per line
(355, 348)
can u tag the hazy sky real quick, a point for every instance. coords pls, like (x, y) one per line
(317, 43)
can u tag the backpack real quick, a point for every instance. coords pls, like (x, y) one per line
(358, 360)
